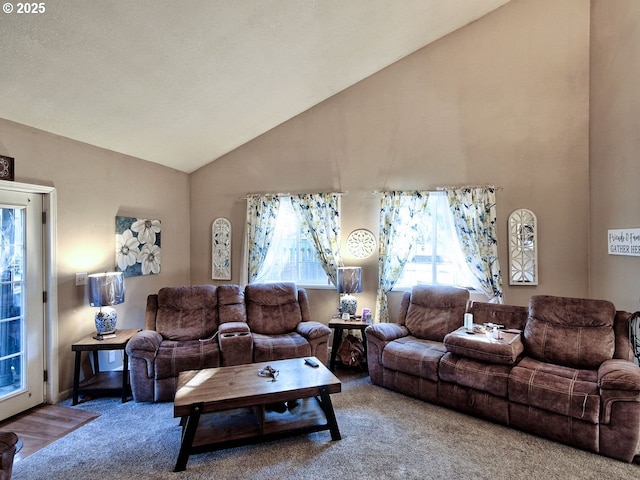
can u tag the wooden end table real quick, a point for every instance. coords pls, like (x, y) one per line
(109, 383)
(338, 326)
(226, 406)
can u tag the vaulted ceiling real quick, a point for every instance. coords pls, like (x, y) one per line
(181, 83)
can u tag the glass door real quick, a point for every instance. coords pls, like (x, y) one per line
(21, 303)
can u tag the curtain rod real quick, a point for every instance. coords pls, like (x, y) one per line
(285, 194)
(439, 189)
(451, 187)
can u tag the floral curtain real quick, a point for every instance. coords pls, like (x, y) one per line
(474, 214)
(262, 213)
(319, 215)
(400, 214)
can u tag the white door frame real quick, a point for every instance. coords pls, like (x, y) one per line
(50, 275)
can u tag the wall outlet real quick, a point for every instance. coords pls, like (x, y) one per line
(81, 279)
(112, 356)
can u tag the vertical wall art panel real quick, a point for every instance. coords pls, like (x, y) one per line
(138, 246)
(523, 248)
(221, 249)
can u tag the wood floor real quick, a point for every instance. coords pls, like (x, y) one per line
(42, 425)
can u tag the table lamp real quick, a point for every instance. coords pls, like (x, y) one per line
(349, 281)
(106, 289)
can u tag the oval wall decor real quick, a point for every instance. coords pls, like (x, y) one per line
(221, 249)
(523, 248)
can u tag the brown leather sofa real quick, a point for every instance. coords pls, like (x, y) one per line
(569, 375)
(190, 328)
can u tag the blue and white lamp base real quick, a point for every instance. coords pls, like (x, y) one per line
(106, 320)
(348, 304)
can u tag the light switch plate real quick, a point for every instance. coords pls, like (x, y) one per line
(81, 279)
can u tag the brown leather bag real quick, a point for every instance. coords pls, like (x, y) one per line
(351, 351)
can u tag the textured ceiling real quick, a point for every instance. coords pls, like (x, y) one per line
(181, 83)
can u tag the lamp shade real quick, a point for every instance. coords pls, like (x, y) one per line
(106, 289)
(349, 279)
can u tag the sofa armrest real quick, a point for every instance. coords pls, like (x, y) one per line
(144, 342)
(233, 327)
(386, 332)
(619, 382)
(312, 330)
(236, 343)
(144, 345)
(619, 375)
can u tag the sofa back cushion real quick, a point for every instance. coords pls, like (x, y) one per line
(272, 308)
(434, 311)
(187, 313)
(573, 332)
(231, 306)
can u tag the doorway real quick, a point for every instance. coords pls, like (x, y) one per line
(28, 297)
(21, 303)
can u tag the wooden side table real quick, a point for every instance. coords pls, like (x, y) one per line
(110, 383)
(338, 326)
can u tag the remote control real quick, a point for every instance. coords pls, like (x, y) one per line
(310, 362)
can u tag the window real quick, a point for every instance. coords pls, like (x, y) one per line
(291, 257)
(436, 258)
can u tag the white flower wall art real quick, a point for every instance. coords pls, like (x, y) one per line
(138, 246)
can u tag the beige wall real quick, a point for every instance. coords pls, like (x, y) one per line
(93, 186)
(502, 101)
(615, 147)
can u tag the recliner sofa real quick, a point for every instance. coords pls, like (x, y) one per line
(568, 376)
(204, 326)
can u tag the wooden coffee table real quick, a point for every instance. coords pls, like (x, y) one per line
(226, 406)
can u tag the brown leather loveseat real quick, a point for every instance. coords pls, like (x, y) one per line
(565, 373)
(204, 326)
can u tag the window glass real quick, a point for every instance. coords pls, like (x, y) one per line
(436, 257)
(291, 256)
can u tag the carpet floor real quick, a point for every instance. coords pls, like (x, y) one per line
(385, 435)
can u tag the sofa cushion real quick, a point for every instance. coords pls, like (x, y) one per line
(231, 306)
(573, 332)
(484, 347)
(272, 308)
(187, 313)
(279, 347)
(414, 356)
(548, 424)
(435, 311)
(474, 402)
(568, 391)
(482, 376)
(175, 357)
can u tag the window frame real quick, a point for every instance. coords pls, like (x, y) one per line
(434, 221)
(300, 237)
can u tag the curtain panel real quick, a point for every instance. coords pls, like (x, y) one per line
(397, 236)
(474, 215)
(319, 215)
(262, 213)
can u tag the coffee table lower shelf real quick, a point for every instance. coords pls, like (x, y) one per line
(244, 426)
